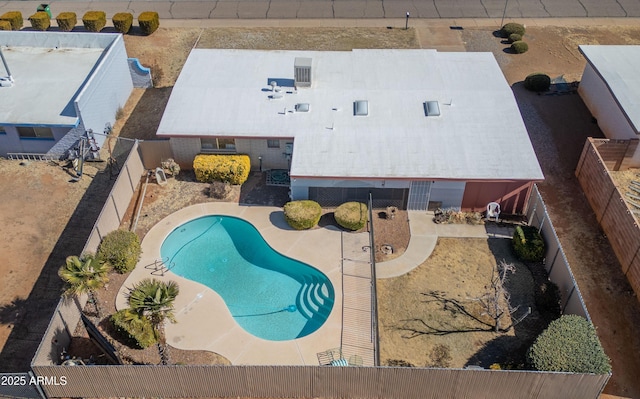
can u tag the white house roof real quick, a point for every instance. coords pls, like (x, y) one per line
(478, 135)
(618, 67)
(48, 70)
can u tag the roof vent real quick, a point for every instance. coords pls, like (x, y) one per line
(302, 72)
(361, 108)
(431, 108)
(302, 107)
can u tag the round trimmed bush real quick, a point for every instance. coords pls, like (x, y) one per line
(537, 82)
(519, 47)
(569, 344)
(528, 244)
(351, 215)
(514, 37)
(303, 214)
(121, 249)
(511, 28)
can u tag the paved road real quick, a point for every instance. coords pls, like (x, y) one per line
(350, 9)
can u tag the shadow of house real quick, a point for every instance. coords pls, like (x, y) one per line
(37, 309)
(144, 120)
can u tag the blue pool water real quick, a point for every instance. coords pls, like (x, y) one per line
(270, 295)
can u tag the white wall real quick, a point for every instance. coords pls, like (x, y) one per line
(184, 150)
(450, 193)
(108, 89)
(11, 141)
(603, 106)
(272, 158)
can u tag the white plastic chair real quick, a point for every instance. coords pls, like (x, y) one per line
(493, 210)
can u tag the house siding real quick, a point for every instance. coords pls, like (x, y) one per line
(272, 158)
(448, 193)
(184, 150)
(107, 89)
(10, 142)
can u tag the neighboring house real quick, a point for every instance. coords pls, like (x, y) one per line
(64, 84)
(417, 128)
(610, 87)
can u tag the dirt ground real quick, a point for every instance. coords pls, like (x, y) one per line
(42, 236)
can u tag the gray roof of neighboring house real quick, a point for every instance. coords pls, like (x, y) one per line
(618, 67)
(49, 69)
(479, 133)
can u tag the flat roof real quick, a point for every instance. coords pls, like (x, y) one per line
(618, 67)
(48, 76)
(478, 135)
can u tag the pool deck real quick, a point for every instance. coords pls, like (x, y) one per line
(204, 321)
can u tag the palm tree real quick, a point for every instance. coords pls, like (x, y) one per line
(85, 274)
(153, 299)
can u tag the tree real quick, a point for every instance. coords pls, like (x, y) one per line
(85, 274)
(153, 299)
(484, 312)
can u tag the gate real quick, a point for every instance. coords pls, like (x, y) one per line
(419, 193)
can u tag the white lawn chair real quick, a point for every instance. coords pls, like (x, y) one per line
(493, 210)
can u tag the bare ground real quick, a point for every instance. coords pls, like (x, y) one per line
(557, 142)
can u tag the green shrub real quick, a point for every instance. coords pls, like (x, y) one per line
(94, 21)
(121, 249)
(352, 215)
(40, 21)
(149, 21)
(67, 21)
(122, 22)
(512, 27)
(528, 244)
(227, 168)
(514, 37)
(519, 47)
(5, 25)
(302, 215)
(547, 297)
(14, 18)
(569, 344)
(135, 331)
(537, 82)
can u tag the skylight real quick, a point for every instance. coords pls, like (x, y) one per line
(431, 108)
(361, 108)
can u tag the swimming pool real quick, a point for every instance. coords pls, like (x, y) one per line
(269, 295)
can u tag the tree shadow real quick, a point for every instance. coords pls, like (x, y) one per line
(10, 312)
(507, 351)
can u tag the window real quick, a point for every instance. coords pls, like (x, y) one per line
(217, 144)
(273, 143)
(2, 131)
(34, 132)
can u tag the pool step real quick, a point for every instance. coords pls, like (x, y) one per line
(313, 298)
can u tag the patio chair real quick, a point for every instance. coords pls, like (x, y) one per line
(328, 357)
(493, 210)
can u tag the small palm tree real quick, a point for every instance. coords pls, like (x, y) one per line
(153, 299)
(85, 274)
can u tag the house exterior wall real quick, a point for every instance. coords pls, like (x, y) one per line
(598, 98)
(11, 142)
(107, 89)
(272, 158)
(512, 196)
(184, 150)
(331, 192)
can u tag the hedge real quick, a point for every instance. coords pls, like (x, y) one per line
(67, 21)
(5, 25)
(149, 22)
(528, 244)
(94, 21)
(227, 168)
(537, 82)
(40, 21)
(14, 18)
(351, 215)
(122, 22)
(519, 47)
(514, 37)
(121, 249)
(302, 215)
(511, 28)
(135, 331)
(569, 344)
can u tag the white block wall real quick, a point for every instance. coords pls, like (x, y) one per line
(184, 150)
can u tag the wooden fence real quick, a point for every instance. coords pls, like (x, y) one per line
(599, 156)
